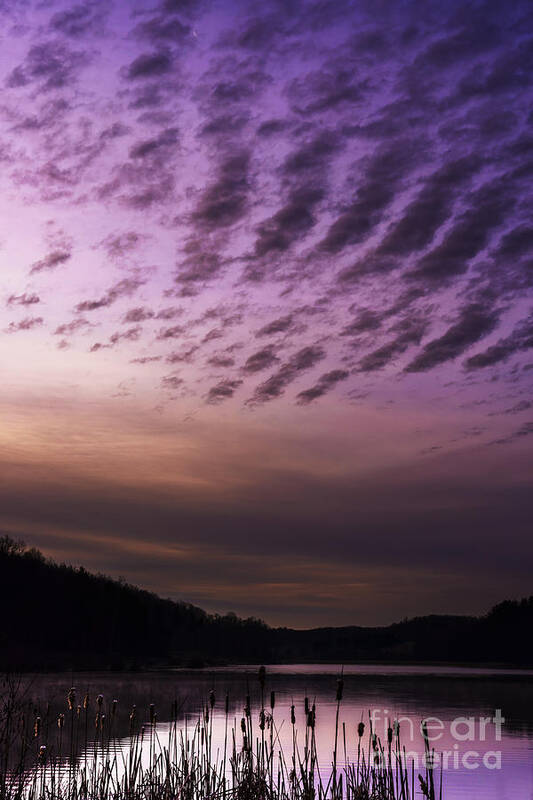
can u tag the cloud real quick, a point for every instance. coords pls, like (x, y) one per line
(51, 261)
(139, 314)
(324, 384)
(157, 147)
(150, 65)
(222, 391)
(365, 320)
(53, 65)
(124, 288)
(520, 339)
(223, 203)
(25, 299)
(280, 325)
(68, 328)
(79, 20)
(300, 362)
(382, 175)
(468, 235)
(474, 322)
(290, 223)
(24, 325)
(260, 360)
(525, 430)
(131, 335)
(221, 361)
(408, 332)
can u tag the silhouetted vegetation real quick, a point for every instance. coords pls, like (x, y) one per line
(60, 617)
(81, 753)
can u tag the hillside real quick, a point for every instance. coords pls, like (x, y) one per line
(60, 617)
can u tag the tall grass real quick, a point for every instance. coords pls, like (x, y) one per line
(77, 755)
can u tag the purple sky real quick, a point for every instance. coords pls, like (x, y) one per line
(267, 270)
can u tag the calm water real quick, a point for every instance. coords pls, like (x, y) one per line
(481, 763)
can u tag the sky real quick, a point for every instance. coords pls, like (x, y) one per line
(267, 311)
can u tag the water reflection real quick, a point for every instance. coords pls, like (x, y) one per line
(408, 694)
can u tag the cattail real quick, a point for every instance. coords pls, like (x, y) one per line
(374, 741)
(71, 698)
(272, 700)
(262, 719)
(340, 688)
(114, 705)
(360, 729)
(243, 725)
(212, 698)
(310, 720)
(61, 722)
(396, 727)
(100, 700)
(306, 706)
(389, 734)
(174, 710)
(247, 706)
(262, 677)
(293, 716)
(86, 702)
(37, 727)
(206, 716)
(152, 713)
(42, 755)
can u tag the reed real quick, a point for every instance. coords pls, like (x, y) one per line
(44, 759)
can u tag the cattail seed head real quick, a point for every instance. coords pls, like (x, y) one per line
(272, 700)
(243, 725)
(71, 699)
(340, 688)
(306, 706)
(360, 729)
(262, 719)
(389, 734)
(212, 698)
(247, 706)
(293, 716)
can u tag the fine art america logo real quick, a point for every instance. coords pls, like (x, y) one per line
(460, 743)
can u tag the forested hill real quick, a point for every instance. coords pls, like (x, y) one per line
(58, 617)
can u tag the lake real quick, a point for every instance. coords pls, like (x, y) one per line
(480, 719)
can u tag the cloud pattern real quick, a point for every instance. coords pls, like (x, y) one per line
(283, 201)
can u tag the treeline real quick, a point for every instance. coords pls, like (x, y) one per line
(57, 617)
